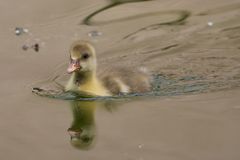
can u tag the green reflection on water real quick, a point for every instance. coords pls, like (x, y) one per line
(83, 130)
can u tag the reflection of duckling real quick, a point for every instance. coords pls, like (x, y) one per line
(82, 130)
(84, 78)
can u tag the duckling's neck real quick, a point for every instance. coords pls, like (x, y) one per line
(82, 78)
(86, 82)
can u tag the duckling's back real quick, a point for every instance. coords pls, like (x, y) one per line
(122, 80)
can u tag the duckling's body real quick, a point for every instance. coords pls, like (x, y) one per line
(84, 77)
(124, 80)
(90, 85)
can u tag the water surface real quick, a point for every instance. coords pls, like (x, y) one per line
(193, 112)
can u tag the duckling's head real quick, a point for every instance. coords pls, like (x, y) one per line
(82, 57)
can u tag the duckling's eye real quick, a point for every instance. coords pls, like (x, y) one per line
(85, 56)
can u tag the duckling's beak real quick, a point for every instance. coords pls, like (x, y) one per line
(73, 66)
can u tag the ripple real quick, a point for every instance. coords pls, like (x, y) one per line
(162, 86)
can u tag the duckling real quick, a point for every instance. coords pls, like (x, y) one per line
(84, 78)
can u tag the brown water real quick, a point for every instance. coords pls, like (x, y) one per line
(190, 44)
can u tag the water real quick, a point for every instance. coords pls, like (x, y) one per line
(191, 113)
